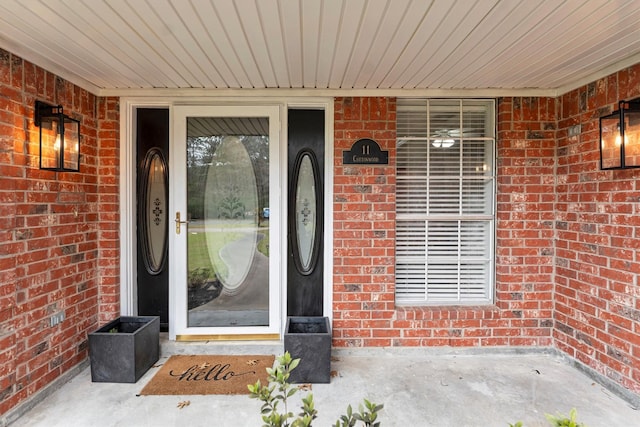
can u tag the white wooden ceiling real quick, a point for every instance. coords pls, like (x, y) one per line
(119, 47)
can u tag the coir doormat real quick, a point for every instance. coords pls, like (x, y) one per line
(208, 374)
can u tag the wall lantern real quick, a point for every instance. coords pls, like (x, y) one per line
(59, 138)
(620, 137)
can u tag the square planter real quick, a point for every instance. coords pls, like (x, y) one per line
(123, 350)
(309, 339)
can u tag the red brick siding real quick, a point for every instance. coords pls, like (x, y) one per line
(364, 226)
(597, 294)
(108, 212)
(525, 218)
(53, 247)
(567, 235)
(364, 221)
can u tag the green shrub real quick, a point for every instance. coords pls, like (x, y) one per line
(562, 421)
(276, 393)
(559, 420)
(368, 415)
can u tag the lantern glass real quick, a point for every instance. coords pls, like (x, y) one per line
(632, 139)
(59, 139)
(620, 137)
(610, 142)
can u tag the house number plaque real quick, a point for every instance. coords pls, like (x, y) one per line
(365, 152)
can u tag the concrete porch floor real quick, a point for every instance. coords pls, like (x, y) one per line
(418, 387)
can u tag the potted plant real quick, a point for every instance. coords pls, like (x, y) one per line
(124, 349)
(308, 338)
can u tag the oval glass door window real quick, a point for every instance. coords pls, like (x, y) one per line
(154, 211)
(306, 207)
(231, 214)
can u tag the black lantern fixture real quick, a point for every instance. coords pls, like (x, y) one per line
(620, 137)
(59, 138)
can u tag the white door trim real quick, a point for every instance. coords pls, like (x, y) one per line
(178, 322)
(127, 184)
(128, 105)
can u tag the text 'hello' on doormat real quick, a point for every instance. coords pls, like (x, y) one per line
(208, 374)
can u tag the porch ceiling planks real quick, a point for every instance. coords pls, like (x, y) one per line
(115, 46)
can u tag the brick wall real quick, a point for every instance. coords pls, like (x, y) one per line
(108, 208)
(597, 294)
(364, 221)
(59, 235)
(525, 218)
(57, 232)
(364, 226)
(568, 236)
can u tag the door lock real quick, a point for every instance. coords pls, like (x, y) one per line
(178, 222)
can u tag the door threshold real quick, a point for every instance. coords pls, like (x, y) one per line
(229, 337)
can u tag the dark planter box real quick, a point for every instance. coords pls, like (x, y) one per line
(123, 350)
(309, 339)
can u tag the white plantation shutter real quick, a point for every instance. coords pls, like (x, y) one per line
(445, 201)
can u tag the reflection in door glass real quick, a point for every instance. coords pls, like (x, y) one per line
(228, 240)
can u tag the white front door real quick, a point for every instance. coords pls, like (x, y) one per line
(225, 231)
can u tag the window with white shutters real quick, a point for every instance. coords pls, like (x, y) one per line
(445, 201)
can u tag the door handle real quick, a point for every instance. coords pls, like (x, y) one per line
(178, 222)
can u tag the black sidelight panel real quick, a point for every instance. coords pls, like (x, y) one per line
(152, 221)
(305, 217)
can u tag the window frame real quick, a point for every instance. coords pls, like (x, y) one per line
(412, 267)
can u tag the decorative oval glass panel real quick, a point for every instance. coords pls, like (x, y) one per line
(154, 211)
(306, 213)
(231, 213)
